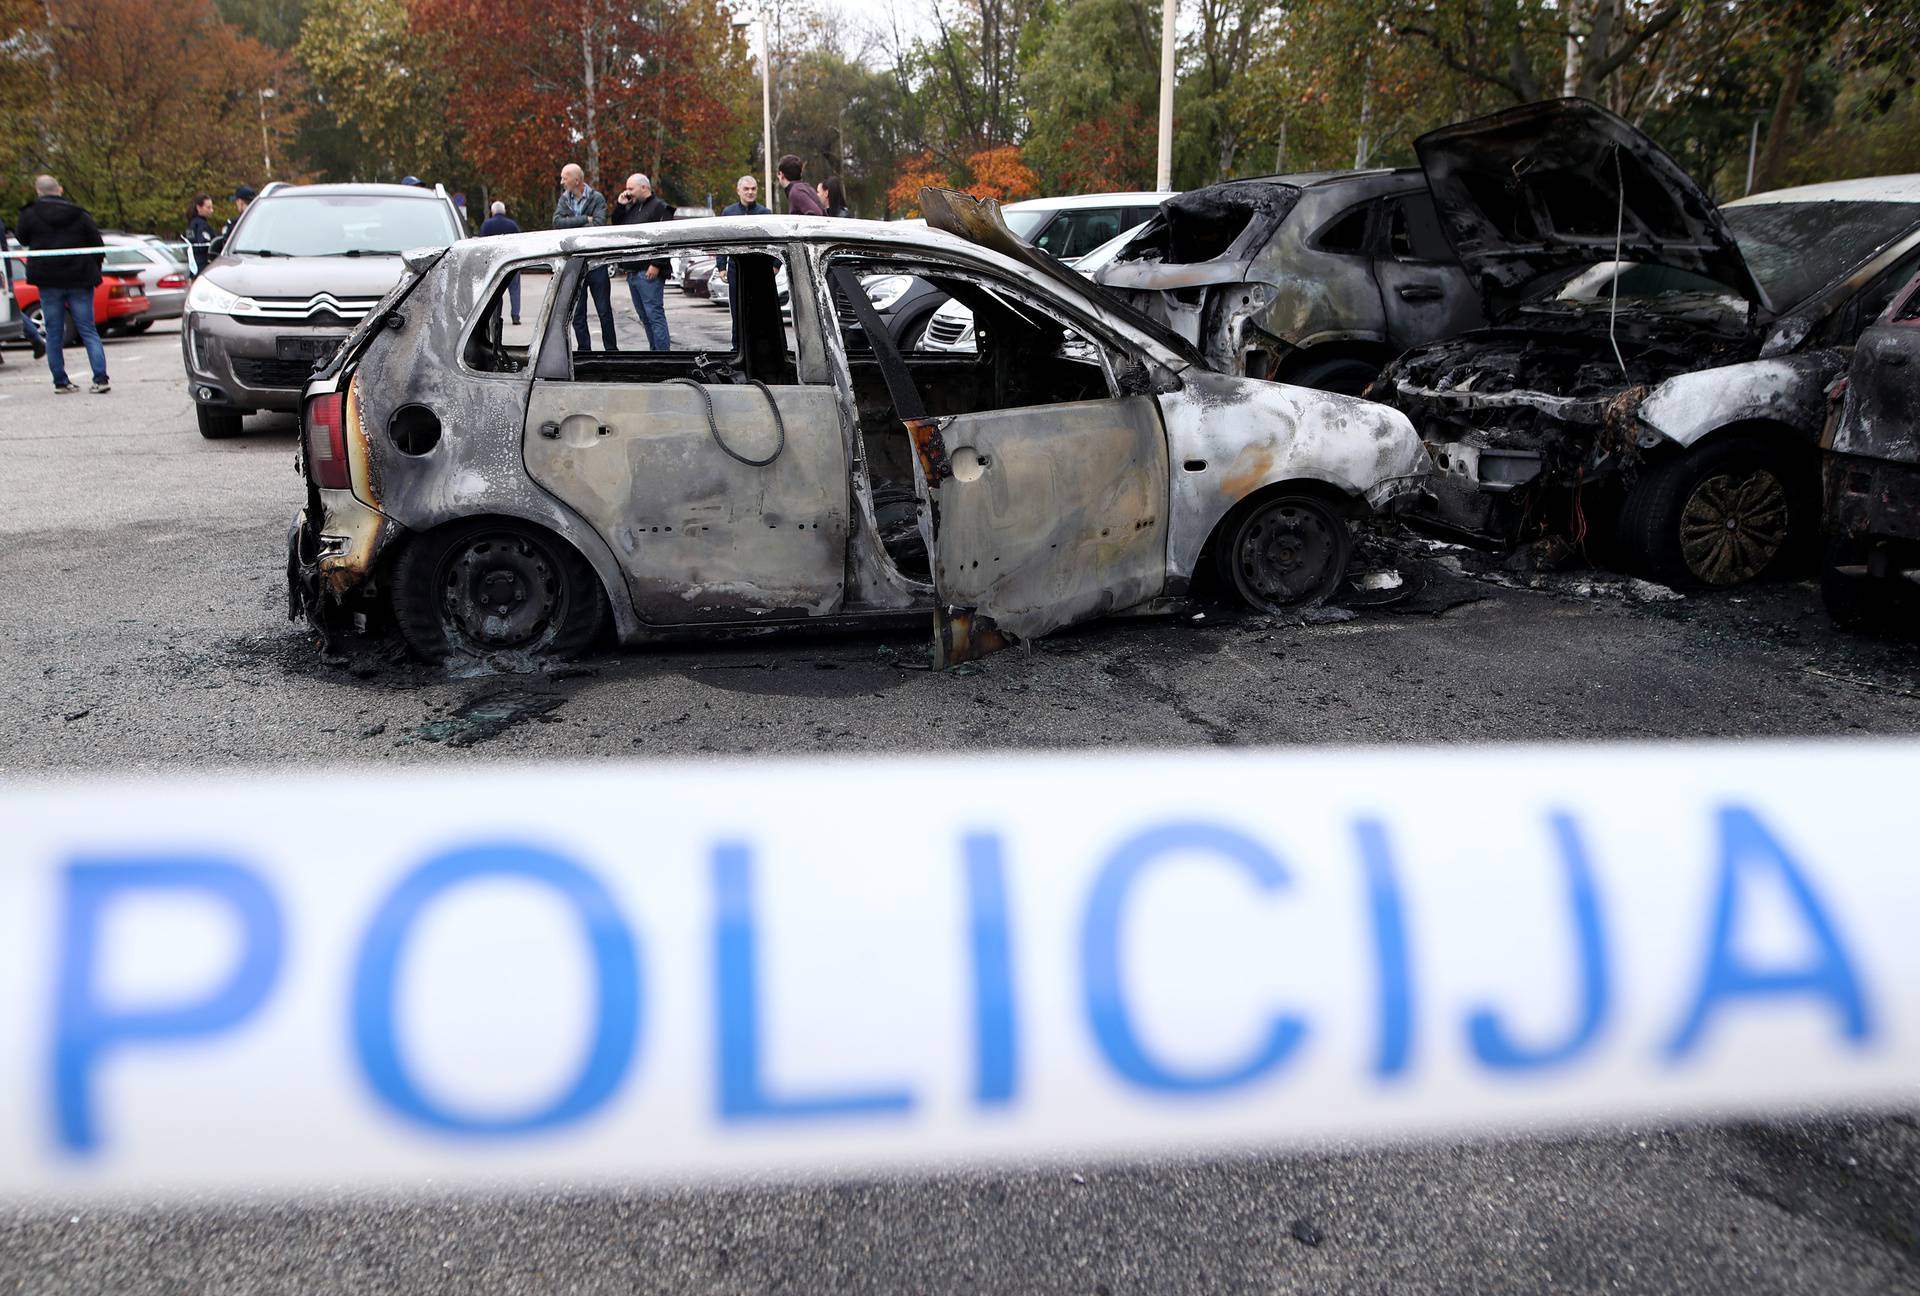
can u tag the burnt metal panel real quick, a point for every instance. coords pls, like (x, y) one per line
(1881, 416)
(1048, 516)
(700, 536)
(1231, 437)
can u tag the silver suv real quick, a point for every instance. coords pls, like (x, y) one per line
(304, 264)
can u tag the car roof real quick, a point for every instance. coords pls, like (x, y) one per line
(1320, 179)
(1897, 188)
(1072, 201)
(352, 190)
(876, 236)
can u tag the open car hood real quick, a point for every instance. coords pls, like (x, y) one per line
(978, 221)
(1532, 193)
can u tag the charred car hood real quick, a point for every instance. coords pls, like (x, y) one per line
(1533, 193)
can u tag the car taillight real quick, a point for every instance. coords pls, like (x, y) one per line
(326, 433)
(173, 281)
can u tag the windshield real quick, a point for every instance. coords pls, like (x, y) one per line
(1024, 224)
(125, 258)
(1794, 249)
(343, 225)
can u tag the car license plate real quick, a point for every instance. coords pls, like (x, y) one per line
(313, 350)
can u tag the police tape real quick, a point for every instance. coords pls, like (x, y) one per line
(25, 254)
(662, 974)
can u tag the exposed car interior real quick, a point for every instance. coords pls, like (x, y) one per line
(1025, 357)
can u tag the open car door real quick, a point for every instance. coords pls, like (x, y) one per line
(1037, 516)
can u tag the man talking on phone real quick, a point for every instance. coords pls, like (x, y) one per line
(638, 204)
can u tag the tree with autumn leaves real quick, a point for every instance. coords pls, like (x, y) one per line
(657, 86)
(135, 106)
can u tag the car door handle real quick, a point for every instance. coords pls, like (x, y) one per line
(551, 431)
(1420, 292)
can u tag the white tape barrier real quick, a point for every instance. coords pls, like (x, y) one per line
(21, 254)
(706, 972)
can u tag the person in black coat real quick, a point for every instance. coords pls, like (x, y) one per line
(52, 222)
(200, 232)
(833, 196)
(638, 204)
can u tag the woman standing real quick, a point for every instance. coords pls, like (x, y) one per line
(200, 232)
(833, 196)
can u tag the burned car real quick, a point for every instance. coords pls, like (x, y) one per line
(1655, 376)
(1871, 469)
(501, 492)
(1317, 279)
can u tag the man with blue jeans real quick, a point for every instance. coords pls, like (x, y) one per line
(54, 223)
(638, 204)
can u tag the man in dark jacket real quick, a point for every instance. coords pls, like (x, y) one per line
(496, 223)
(638, 204)
(50, 223)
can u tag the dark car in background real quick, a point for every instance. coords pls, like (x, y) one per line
(1871, 471)
(304, 264)
(1655, 377)
(1316, 279)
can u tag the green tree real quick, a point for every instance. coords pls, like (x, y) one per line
(385, 82)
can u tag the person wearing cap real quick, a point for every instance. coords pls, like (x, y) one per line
(242, 196)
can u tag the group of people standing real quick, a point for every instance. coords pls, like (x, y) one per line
(581, 206)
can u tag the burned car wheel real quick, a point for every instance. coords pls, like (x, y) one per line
(1285, 551)
(1720, 515)
(496, 586)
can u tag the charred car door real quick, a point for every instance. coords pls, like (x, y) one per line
(716, 476)
(1042, 493)
(1423, 289)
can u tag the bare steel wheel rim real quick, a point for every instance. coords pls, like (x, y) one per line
(500, 591)
(1287, 553)
(1734, 525)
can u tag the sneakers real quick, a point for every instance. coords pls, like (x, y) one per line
(102, 386)
(66, 389)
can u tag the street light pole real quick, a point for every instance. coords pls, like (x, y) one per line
(1163, 171)
(766, 103)
(266, 155)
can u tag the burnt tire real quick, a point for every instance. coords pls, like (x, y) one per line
(218, 424)
(1723, 514)
(493, 586)
(1282, 552)
(1343, 375)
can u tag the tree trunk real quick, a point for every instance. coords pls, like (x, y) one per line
(590, 82)
(1362, 147)
(1779, 128)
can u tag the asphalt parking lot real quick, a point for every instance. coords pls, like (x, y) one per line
(146, 630)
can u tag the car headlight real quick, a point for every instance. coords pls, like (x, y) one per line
(885, 290)
(210, 297)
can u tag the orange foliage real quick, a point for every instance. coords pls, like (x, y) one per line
(915, 173)
(1002, 173)
(999, 173)
(523, 102)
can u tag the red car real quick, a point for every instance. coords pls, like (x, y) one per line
(116, 299)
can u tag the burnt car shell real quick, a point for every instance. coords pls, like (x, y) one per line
(1098, 494)
(1316, 278)
(1871, 472)
(1645, 387)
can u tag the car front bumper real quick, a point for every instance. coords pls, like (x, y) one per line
(239, 365)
